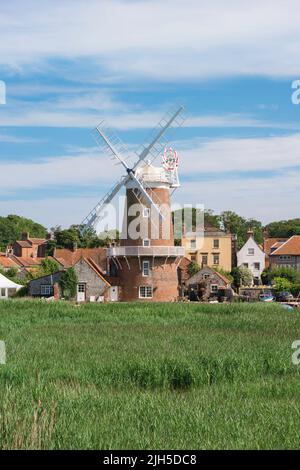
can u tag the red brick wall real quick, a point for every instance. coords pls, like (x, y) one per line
(163, 278)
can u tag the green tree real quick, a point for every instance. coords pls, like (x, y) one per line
(12, 226)
(193, 268)
(239, 226)
(283, 272)
(242, 276)
(281, 284)
(283, 228)
(68, 283)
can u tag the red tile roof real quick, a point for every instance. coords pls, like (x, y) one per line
(269, 242)
(7, 262)
(290, 247)
(69, 257)
(23, 243)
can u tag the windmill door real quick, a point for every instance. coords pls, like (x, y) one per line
(80, 292)
(113, 293)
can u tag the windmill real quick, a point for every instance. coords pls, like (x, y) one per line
(150, 151)
(145, 265)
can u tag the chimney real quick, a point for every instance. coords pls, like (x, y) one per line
(25, 235)
(9, 251)
(250, 233)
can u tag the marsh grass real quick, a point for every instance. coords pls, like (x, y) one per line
(148, 376)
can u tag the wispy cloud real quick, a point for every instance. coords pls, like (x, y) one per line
(138, 38)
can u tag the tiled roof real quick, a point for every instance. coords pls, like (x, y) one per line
(94, 266)
(269, 242)
(37, 241)
(28, 262)
(7, 262)
(290, 247)
(24, 243)
(69, 257)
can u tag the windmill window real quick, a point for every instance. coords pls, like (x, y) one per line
(146, 268)
(146, 242)
(145, 292)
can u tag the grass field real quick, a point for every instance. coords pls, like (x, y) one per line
(148, 376)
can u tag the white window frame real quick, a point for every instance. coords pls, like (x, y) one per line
(145, 292)
(214, 256)
(46, 289)
(251, 251)
(81, 285)
(193, 244)
(146, 268)
(146, 212)
(146, 242)
(206, 276)
(255, 267)
(213, 291)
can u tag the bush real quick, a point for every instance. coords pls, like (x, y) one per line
(68, 283)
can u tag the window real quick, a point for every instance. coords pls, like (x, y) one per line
(250, 251)
(285, 258)
(146, 268)
(257, 266)
(193, 258)
(2, 292)
(46, 289)
(145, 292)
(246, 265)
(193, 244)
(146, 212)
(216, 259)
(216, 243)
(146, 242)
(204, 260)
(214, 288)
(206, 276)
(81, 288)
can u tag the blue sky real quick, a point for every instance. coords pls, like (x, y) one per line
(69, 64)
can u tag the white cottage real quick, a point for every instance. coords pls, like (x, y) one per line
(253, 257)
(7, 287)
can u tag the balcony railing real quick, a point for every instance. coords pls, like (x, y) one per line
(146, 251)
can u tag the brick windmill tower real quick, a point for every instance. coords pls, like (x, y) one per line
(146, 261)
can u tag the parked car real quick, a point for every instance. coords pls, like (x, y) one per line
(284, 296)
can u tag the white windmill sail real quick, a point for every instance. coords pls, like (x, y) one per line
(116, 148)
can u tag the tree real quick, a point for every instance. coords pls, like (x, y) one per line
(283, 228)
(193, 268)
(12, 226)
(68, 283)
(281, 284)
(242, 276)
(239, 226)
(49, 266)
(284, 272)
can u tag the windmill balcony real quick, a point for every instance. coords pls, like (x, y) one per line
(168, 251)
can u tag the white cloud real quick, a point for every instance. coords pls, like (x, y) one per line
(164, 40)
(269, 196)
(240, 155)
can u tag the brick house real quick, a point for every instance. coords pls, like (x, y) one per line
(91, 286)
(30, 247)
(287, 254)
(270, 245)
(207, 282)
